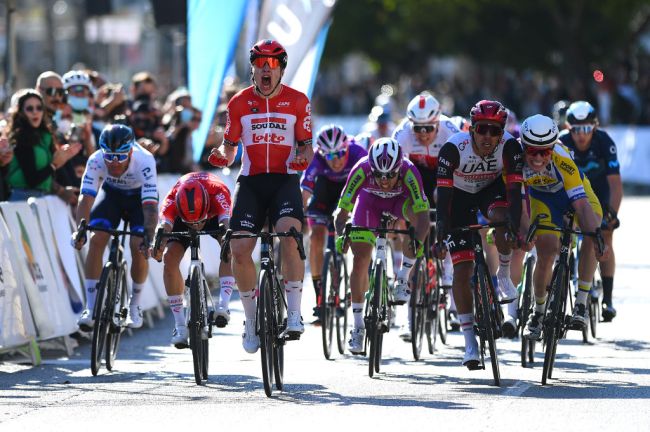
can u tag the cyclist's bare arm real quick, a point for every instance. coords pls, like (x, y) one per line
(83, 207)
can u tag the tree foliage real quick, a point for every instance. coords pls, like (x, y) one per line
(570, 37)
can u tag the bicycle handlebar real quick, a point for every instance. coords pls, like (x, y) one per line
(160, 234)
(293, 232)
(84, 227)
(536, 225)
(349, 228)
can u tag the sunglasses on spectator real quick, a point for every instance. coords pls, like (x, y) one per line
(423, 128)
(54, 91)
(543, 152)
(584, 129)
(488, 129)
(273, 62)
(32, 108)
(379, 175)
(334, 155)
(116, 157)
(77, 89)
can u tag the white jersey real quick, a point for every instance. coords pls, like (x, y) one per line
(421, 155)
(140, 176)
(471, 172)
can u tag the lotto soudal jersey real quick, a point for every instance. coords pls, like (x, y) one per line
(561, 175)
(140, 176)
(217, 191)
(319, 167)
(460, 167)
(425, 156)
(269, 129)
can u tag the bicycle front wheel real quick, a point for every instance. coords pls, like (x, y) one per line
(553, 322)
(329, 279)
(344, 298)
(489, 321)
(265, 330)
(195, 324)
(278, 345)
(594, 307)
(120, 312)
(525, 309)
(101, 316)
(418, 305)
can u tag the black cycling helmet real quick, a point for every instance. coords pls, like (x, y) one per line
(116, 138)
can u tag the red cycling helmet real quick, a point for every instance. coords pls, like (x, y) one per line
(192, 202)
(487, 110)
(269, 48)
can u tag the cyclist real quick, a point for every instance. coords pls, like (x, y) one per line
(595, 154)
(555, 185)
(478, 169)
(321, 185)
(559, 113)
(199, 201)
(126, 173)
(273, 122)
(382, 182)
(421, 135)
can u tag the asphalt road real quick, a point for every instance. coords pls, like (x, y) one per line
(604, 385)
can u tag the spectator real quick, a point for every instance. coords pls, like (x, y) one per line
(6, 154)
(143, 86)
(50, 86)
(80, 98)
(148, 131)
(179, 157)
(30, 172)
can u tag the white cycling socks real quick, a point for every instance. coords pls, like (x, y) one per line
(91, 293)
(249, 303)
(227, 284)
(294, 295)
(176, 305)
(357, 313)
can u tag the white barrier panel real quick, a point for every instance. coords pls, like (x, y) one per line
(16, 325)
(49, 304)
(633, 145)
(54, 217)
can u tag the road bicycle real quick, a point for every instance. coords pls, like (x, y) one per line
(270, 321)
(526, 307)
(199, 312)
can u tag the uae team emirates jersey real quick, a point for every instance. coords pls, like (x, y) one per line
(268, 128)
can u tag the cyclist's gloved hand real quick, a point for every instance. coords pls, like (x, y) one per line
(145, 245)
(340, 242)
(611, 218)
(419, 250)
(299, 164)
(217, 159)
(78, 241)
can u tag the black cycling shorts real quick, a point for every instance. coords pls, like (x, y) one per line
(265, 195)
(428, 183)
(115, 205)
(324, 200)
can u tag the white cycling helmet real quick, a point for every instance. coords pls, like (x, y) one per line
(423, 109)
(581, 112)
(385, 156)
(331, 138)
(77, 77)
(539, 131)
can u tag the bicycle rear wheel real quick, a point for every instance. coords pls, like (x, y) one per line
(594, 307)
(418, 307)
(278, 344)
(207, 324)
(489, 321)
(329, 279)
(434, 316)
(100, 314)
(375, 330)
(120, 312)
(553, 323)
(343, 298)
(525, 309)
(265, 330)
(195, 325)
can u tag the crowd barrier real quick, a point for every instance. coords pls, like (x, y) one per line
(41, 274)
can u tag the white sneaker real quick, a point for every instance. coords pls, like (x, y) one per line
(221, 317)
(355, 344)
(507, 290)
(86, 321)
(471, 359)
(180, 337)
(401, 293)
(294, 323)
(250, 340)
(135, 317)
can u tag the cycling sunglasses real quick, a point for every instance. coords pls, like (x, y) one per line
(543, 152)
(116, 157)
(488, 129)
(423, 128)
(273, 62)
(32, 108)
(78, 89)
(334, 155)
(584, 129)
(390, 175)
(54, 91)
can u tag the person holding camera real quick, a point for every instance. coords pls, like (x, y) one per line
(148, 131)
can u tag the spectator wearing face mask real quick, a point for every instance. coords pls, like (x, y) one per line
(179, 157)
(80, 98)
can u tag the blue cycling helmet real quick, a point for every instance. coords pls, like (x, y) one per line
(116, 138)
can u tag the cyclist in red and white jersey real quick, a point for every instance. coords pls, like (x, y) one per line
(273, 123)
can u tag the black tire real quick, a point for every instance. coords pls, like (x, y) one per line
(443, 319)
(434, 313)
(100, 315)
(328, 296)
(418, 305)
(489, 324)
(195, 324)
(278, 346)
(553, 322)
(594, 309)
(120, 306)
(375, 330)
(206, 342)
(265, 330)
(525, 309)
(344, 299)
